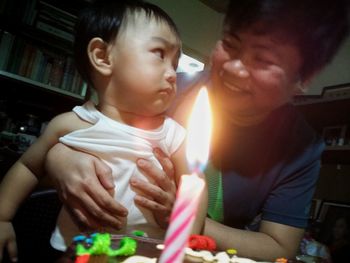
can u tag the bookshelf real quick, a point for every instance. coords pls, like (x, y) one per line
(38, 44)
(37, 73)
(5, 74)
(328, 114)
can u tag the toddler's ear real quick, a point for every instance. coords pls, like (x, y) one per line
(98, 56)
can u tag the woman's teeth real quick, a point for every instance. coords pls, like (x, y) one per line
(233, 87)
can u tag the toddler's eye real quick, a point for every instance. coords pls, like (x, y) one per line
(175, 65)
(159, 52)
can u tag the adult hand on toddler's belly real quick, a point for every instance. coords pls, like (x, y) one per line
(158, 197)
(83, 184)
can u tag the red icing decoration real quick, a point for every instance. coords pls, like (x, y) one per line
(281, 260)
(201, 242)
(82, 259)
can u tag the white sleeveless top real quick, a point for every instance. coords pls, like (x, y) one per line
(119, 146)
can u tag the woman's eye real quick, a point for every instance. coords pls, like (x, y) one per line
(229, 45)
(262, 60)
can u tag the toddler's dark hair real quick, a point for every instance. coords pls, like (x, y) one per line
(103, 19)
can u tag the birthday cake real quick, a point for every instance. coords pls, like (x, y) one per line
(107, 248)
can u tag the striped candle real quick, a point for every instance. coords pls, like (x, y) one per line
(182, 218)
(190, 186)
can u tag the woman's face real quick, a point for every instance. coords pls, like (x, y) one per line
(254, 73)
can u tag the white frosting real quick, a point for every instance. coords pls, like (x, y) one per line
(140, 259)
(196, 256)
(242, 260)
(220, 257)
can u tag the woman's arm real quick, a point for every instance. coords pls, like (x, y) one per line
(23, 177)
(83, 183)
(272, 241)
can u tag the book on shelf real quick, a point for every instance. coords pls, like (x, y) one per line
(56, 18)
(68, 73)
(83, 89)
(56, 72)
(29, 12)
(42, 68)
(37, 65)
(57, 13)
(55, 23)
(6, 43)
(31, 61)
(77, 81)
(47, 70)
(54, 31)
(16, 55)
(26, 58)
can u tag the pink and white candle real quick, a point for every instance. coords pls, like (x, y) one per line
(191, 186)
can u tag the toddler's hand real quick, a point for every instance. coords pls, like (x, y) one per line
(8, 240)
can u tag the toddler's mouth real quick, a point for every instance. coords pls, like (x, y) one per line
(167, 91)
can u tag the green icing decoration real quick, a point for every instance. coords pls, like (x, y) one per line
(127, 247)
(138, 233)
(101, 245)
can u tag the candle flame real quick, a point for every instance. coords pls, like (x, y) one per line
(199, 132)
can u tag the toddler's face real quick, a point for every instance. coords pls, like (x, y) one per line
(145, 57)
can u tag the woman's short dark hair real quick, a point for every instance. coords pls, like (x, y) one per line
(317, 27)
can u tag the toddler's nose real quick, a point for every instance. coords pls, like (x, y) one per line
(171, 76)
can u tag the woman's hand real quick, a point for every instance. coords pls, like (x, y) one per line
(8, 240)
(159, 197)
(84, 184)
